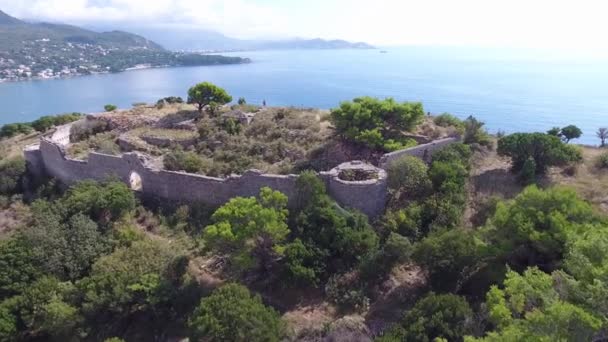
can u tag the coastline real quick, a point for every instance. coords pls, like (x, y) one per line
(133, 68)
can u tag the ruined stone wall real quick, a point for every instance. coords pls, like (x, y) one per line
(367, 196)
(423, 152)
(181, 186)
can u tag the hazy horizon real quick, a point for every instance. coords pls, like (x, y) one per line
(542, 25)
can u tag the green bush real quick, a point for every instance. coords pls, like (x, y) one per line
(10, 130)
(545, 150)
(474, 133)
(447, 119)
(231, 313)
(110, 107)
(435, 318)
(44, 123)
(341, 292)
(12, 172)
(179, 160)
(450, 258)
(375, 123)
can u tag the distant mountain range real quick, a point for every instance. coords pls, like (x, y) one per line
(207, 40)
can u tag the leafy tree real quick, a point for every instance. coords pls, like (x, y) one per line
(409, 175)
(545, 150)
(533, 228)
(18, 267)
(435, 317)
(11, 175)
(377, 264)
(10, 130)
(66, 250)
(304, 263)
(450, 257)
(107, 200)
(530, 308)
(250, 228)
(602, 134)
(555, 131)
(8, 323)
(377, 123)
(43, 123)
(44, 309)
(231, 313)
(110, 107)
(205, 94)
(242, 101)
(571, 132)
(131, 280)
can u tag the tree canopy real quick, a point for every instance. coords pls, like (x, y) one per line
(538, 150)
(378, 124)
(231, 313)
(207, 94)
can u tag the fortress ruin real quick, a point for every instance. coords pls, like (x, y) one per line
(48, 158)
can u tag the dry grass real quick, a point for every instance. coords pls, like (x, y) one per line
(13, 147)
(163, 133)
(491, 177)
(589, 181)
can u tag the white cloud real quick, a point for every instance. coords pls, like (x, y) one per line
(521, 23)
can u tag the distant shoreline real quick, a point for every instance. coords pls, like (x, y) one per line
(134, 68)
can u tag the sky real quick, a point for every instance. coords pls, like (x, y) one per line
(573, 25)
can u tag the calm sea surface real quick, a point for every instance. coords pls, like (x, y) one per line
(510, 92)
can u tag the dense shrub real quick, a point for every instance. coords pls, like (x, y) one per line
(231, 313)
(450, 258)
(337, 237)
(377, 123)
(252, 230)
(409, 175)
(447, 119)
(104, 201)
(44, 123)
(12, 129)
(340, 291)
(110, 107)
(179, 160)
(434, 318)
(474, 133)
(545, 150)
(533, 228)
(12, 172)
(377, 264)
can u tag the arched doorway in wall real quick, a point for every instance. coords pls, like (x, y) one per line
(135, 181)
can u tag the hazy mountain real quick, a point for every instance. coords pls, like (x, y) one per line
(208, 40)
(14, 34)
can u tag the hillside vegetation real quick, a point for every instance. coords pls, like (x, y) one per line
(490, 240)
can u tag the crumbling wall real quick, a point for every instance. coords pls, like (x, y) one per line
(181, 186)
(368, 196)
(423, 152)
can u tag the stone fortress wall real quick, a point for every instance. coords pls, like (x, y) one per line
(368, 196)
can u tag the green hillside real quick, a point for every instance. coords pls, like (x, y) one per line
(45, 50)
(14, 34)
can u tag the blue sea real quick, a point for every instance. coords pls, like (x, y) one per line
(509, 90)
